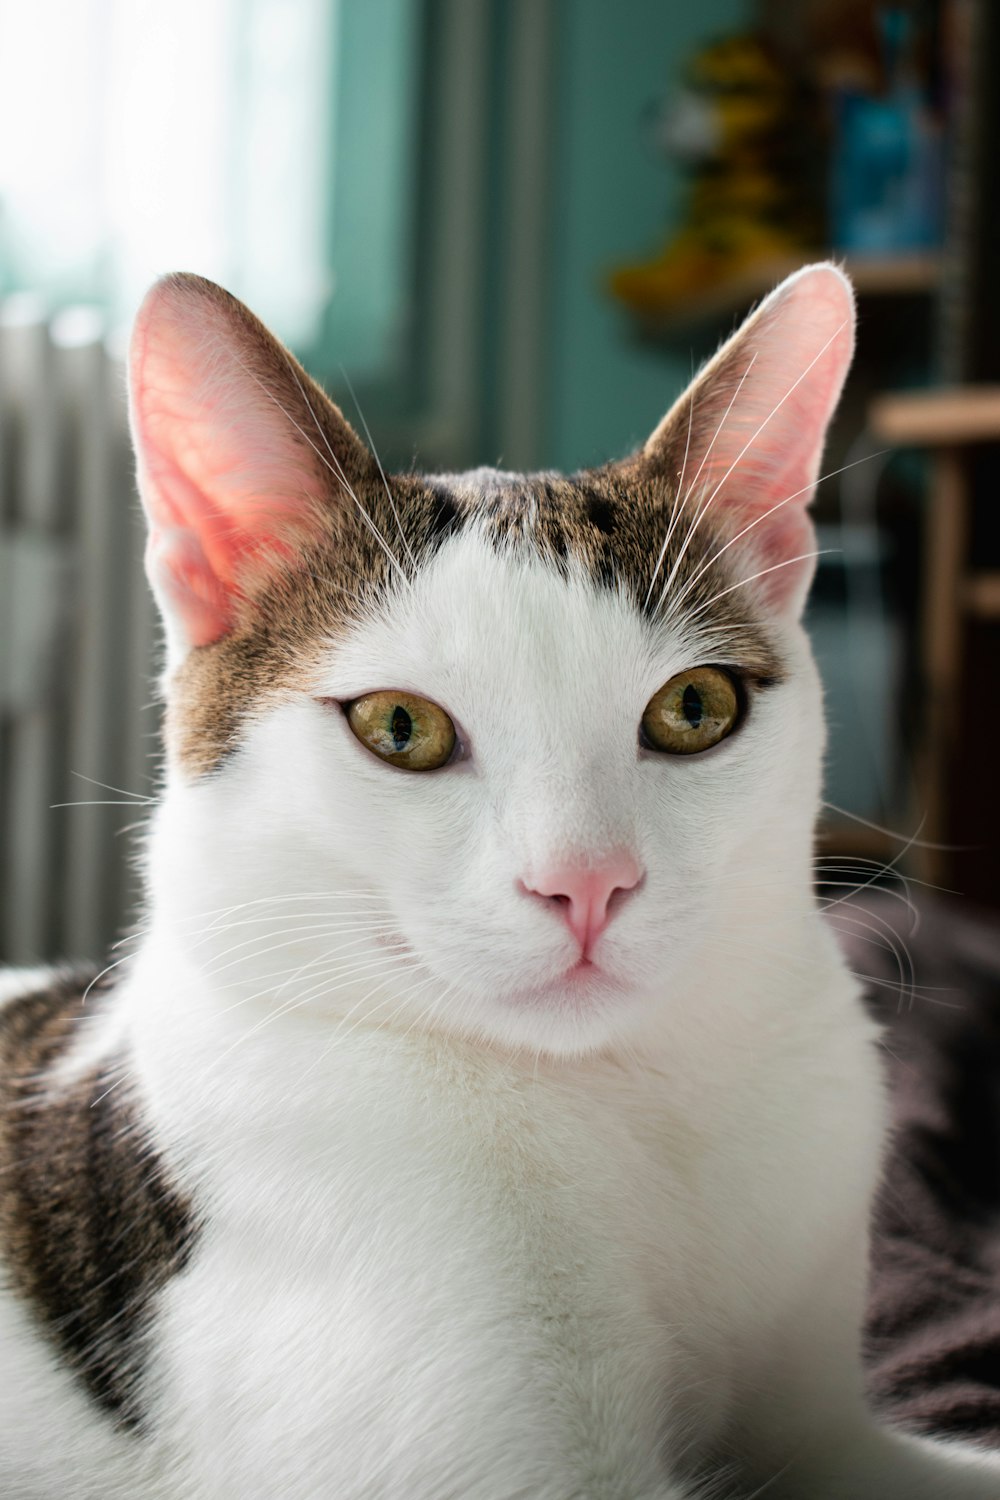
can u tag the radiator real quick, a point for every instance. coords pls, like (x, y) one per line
(78, 725)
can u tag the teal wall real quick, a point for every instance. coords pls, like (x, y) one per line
(371, 206)
(613, 201)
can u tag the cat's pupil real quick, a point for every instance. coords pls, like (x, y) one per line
(692, 705)
(402, 727)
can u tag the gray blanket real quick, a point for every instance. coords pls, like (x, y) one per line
(933, 1333)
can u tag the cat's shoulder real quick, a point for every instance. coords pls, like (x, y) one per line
(39, 1009)
(19, 984)
(92, 1222)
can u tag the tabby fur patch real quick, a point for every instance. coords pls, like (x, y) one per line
(91, 1227)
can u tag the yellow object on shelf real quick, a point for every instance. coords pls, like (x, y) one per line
(730, 124)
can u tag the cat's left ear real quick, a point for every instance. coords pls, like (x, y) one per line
(745, 440)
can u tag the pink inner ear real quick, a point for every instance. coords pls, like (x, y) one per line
(758, 425)
(783, 552)
(225, 476)
(186, 586)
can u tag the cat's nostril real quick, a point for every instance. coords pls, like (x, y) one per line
(618, 896)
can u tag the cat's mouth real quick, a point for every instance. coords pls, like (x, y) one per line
(582, 968)
(582, 984)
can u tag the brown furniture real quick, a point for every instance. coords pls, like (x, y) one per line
(947, 422)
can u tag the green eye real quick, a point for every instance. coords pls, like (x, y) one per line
(694, 711)
(402, 729)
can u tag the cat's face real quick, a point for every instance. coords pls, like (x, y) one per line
(525, 757)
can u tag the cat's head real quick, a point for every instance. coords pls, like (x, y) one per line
(529, 757)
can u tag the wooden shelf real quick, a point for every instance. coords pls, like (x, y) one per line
(873, 276)
(944, 418)
(894, 276)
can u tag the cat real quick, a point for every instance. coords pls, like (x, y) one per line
(485, 1111)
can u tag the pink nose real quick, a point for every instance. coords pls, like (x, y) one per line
(586, 894)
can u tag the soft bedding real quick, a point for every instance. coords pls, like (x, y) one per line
(933, 1333)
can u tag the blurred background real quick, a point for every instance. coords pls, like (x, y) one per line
(507, 231)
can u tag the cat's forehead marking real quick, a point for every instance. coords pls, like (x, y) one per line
(610, 522)
(613, 521)
(484, 486)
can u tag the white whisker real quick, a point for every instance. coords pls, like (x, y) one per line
(385, 482)
(292, 935)
(677, 507)
(805, 490)
(910, 840)
(345, 976)
(337, 472)
(682, 504)
(98, 802)
(121, 790)
(775, 567)
(883, 870)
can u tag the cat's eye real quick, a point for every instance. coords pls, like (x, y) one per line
(402, 729)
(692, 712)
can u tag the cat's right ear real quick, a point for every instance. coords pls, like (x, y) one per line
(240, 456)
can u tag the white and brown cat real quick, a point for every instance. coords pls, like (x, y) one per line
(486, 1112)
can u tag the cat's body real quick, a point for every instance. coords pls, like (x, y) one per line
(502, 1133)
(550, 1271)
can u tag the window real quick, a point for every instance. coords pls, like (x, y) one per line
(263, 143)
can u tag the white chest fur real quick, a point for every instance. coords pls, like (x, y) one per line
(427, 1270)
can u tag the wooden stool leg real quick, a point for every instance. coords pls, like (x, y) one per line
(945, 550)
